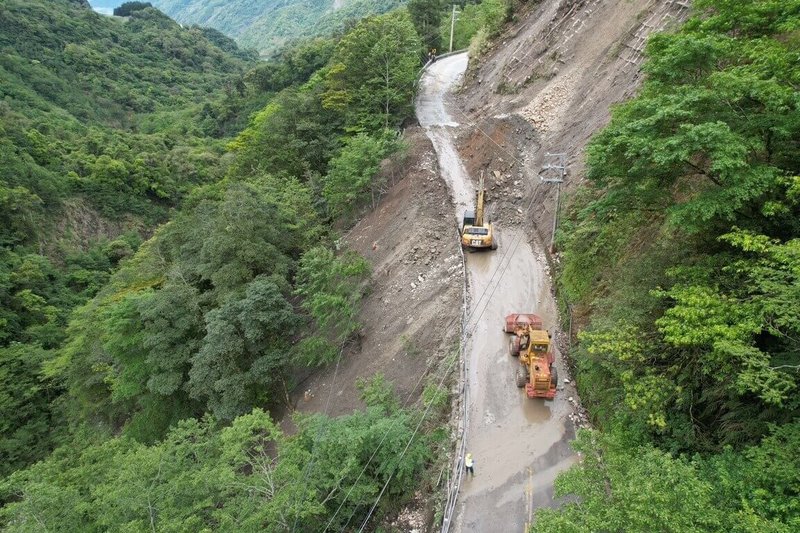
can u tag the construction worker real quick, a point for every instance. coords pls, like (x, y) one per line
(470, 464)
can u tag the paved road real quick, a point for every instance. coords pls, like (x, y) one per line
(519, 445)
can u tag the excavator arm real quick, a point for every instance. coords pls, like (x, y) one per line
(479, 203)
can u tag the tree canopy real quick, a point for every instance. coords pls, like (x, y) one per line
(684, 254)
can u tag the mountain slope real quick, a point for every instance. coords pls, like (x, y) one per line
(105, 125)
(79, 87)
(267, 25)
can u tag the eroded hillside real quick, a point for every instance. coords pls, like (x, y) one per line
(544, 85)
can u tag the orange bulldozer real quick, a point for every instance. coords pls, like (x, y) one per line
(531, 343)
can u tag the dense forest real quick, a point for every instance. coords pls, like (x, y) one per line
(169, 209)
(684, 258)
(105, 127)
(270, 26)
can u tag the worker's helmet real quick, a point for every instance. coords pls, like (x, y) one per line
(469, 456)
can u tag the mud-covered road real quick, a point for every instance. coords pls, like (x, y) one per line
(518, 444)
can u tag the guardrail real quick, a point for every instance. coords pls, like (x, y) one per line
(456, 474)
(440, 56)
(454, 483)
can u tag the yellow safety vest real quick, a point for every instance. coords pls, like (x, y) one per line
(468, 462)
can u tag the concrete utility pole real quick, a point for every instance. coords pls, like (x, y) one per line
(560, 169)
(452, 26)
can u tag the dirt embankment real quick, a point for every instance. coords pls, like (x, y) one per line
(546, 85)
(414, 291)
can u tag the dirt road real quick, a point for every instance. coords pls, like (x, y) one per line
(519, 445)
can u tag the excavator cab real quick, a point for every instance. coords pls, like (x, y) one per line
(468, 220)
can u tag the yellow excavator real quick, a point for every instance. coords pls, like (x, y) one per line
(475, 232)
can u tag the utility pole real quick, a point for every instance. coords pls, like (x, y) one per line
(554, 172)
(452, 26)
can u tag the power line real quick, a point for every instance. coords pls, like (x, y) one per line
(310, 464)
(408, 445)
(380, 444)
(501, 268)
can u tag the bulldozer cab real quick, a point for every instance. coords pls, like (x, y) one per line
(540, 342)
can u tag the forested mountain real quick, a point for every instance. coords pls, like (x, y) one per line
(169, 208)
(139, 364)
(104, 126)
(268, 25)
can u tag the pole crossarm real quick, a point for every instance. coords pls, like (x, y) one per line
(554, 170)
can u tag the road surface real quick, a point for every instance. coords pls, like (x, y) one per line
(519, 445)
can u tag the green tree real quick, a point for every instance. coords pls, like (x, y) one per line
(478, 19)
(352, 174)
(245, 349)
(292, 136)
(692, 331)
(248, 476)
(758, 486)
(173, 331)
(28, 422)
(229, 241)
(20, 214)
(427, 16)
(639, 490)
(125, 9)
(373, 70)
(330, 287)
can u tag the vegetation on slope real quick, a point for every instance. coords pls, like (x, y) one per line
(270, 26)
(248, 476)
(104, 126)
(691, 363)
(172, 343)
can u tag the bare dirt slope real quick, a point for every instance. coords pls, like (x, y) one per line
(416, 284)
(547, 85)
